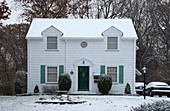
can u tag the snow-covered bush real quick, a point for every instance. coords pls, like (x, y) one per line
(49, 89)
(65, 82)
(127, 89)
(104, 83)
(36, 89)
(18, 88)
(20, 82)
(155, 106)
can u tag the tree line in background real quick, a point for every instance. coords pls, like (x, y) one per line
(151, 19)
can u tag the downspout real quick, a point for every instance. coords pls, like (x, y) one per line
(134, 66)
(65, 54)
(29, 64)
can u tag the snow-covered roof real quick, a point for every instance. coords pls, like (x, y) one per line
(81, 27)
(138, 72)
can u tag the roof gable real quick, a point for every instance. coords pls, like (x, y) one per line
(112, 31)
(51, 31)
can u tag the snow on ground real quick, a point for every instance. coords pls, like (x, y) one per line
(94, 103)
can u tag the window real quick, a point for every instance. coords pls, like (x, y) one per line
(51, 42)
(51, 74)
(112, 72)
(84, 44)
(112, 43)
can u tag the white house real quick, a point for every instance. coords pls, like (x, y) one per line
(84, 48)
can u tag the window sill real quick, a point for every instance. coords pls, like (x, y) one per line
(115, 83)
(51, 83)
(113, 50)
(52, 50)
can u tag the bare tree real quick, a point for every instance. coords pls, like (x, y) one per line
(4, 10)
(43, 9)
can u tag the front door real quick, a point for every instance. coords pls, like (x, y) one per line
(83, 78)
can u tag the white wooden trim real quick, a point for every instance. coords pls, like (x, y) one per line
(46, 73)
(117, 71)
(46, 42)
(118, 42)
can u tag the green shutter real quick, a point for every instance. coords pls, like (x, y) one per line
(61, 69)
(102, 69)
(121, 74)
(42, 73)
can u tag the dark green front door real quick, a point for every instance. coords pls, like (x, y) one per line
(83, 78)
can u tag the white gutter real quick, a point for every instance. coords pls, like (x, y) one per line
(34, 38)
(80, 38)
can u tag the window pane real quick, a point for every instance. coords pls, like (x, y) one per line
(112, 43)
(112, 72)
(51, 46)
(52, 69)
(52, 39)
(112, 46)
(52, 77)
(51, 74)
(112, 39)
(51, 42)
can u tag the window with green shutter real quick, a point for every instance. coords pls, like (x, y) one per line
(112, 72)
(121, 74)
(42, 73)
(102, 69)
(52, 74)
(61, 69)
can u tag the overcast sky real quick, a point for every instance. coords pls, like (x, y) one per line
(14, 14)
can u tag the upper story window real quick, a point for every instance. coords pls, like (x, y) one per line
(112, 72)
(52, 43)
(112, 43)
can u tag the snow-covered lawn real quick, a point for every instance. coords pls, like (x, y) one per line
(94, 103)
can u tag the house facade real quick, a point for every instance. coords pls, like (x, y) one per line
(83, 48)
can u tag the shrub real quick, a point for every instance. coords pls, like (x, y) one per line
(36, 89)
(49, 89)
(104, 83)
(127, 89)
(65, 82)
(155, 106)
(18, 88)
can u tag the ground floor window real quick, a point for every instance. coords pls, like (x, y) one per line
(112, 72)
(51, 74)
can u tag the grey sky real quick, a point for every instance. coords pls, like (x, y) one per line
(14, 15)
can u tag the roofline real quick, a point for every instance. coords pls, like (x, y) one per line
(79, 38)
(34, 38)
(129, 38)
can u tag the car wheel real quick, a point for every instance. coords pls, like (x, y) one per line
(160, 95)
(151, 93)
(168, 96)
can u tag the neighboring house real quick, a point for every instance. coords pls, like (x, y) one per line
(83, 48)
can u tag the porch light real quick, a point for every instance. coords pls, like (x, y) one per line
(71, 72)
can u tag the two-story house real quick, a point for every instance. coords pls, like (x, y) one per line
(83, 48)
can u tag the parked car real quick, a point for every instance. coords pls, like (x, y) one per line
(139, 88)
(157, 88)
